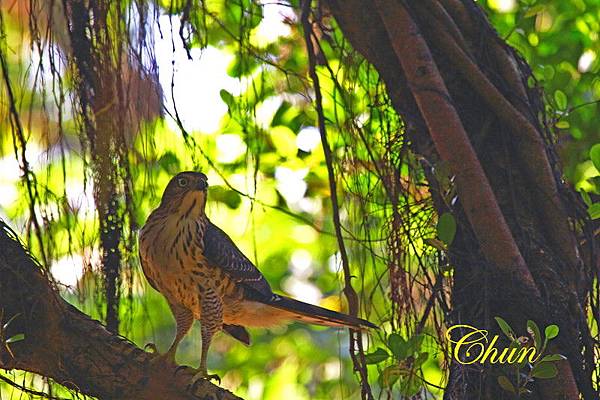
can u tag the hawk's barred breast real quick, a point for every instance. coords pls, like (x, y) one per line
(172, 252)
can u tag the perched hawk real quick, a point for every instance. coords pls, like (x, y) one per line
(204, 276)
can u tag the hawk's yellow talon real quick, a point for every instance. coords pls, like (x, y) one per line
(207, 376)
(152, 347)
(200, 377)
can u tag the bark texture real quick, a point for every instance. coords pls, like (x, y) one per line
(464, 96)
(66, 345)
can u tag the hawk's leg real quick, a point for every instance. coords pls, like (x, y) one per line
(184, 320)
(211, 322)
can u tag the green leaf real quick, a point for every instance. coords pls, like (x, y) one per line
(169, 162)
(544, 370)
(551, 332)
(410, 385)
(594, 211)
(549, 72)
(10, 320)
(15, 338)
(227, 97)
(446, 228)
(561, 99)
(225, 195)
(377, 356)
(241, 66)
(595, 155)
(421, 359)
(505, 327)
(284, 140)
(595, 182)
(435, 243)
(280, 117)
(398, 346)
(255, 12)
(414, 344)
(586, 197)
(553, 357)
(532, 11)
(562, 124)
(505, 384)
(390, 375)
(515, 344)
(535, 333)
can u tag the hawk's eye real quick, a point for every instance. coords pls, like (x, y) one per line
(182, 182)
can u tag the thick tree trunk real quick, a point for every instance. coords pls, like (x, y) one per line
(464, 96)
(66, 345)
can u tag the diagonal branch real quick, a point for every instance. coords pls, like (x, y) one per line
(66, 345)
(531, 149)
(452, 142)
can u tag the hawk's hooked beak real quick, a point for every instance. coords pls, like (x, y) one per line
(202, 185)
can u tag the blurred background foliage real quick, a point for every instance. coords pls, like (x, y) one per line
(238, 106)
(559, 39)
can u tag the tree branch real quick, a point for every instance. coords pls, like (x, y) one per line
(452, 142)
(66, 345)
(531, 149)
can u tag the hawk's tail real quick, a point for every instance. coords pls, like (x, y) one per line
(312, 314)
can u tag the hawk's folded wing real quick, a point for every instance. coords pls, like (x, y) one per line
(221, 252)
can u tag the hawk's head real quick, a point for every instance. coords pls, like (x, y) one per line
(187, 192)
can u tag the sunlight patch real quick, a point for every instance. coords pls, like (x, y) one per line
(197, 82)
(68, 270)
(301, 264)
(503, 6)
(302, 290)
(266, 110)
(272, 26)
(291, 183)
(308, 139)
(230, 148)
(586, 60)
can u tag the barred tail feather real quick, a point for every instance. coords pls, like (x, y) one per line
(312, 314)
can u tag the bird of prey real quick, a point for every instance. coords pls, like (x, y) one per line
(205, 277)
